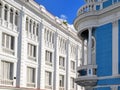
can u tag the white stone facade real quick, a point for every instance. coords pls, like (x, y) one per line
(37, 50)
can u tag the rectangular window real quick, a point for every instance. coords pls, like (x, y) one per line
(31, 50)
(8, 41)
(48, 78)
(48, 56)
(61, 81)
(61, 61)
(30, 75)
(6, 70)
(72, 80)
(72, 65)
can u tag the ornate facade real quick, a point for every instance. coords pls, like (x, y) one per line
(37, 50)
(98, 25)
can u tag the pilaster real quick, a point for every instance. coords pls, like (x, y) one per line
(56, 64)
(21, 76)
(41, 59)
(68, 66)
(115, 48)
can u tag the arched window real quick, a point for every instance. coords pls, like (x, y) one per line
(34, 28)
(5, 13)
(37, 28)
(11, 16)
(30, 26)
(47, 35)
(0, 10)
(16, 18)
(53, 38)
(50, 36)
(26, 24)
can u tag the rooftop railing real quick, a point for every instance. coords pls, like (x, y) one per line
(87, 8)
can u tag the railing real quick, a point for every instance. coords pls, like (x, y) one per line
(87, 70)
(8, 25)
(32, 36)
(6, 82)
(9, 51)
(30, 84)
(49, 44)
(62, 50)
(87, 8)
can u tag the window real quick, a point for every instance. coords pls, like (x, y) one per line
(61, 81)
(72, 80)
(30, 75)
(72, 65)
(48, 56)
(0, 9)
(37, 28)
(6, 70)
(5, 13)
(11, 16)
(61, 61)
(30, 26)
(31, 50)
(26, 24)
(48, 78)
(34, 28)
(16, 18)
(8, 41)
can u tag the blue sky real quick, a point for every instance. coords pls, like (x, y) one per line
(66, 9)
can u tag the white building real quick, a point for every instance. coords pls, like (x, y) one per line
(37, 50)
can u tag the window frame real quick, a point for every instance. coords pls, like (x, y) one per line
(48, 78)
(11, 15)
(5, 12)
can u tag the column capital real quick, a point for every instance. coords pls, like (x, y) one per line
(90, 28)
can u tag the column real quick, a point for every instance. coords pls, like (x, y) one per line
(56, 63)
(82, 51)
(89, 45)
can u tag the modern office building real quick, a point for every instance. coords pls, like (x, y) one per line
(98, 25)
(37, 50)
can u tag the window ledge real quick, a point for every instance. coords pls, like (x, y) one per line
(32, 58)
(48, 86)
(61, 67)
(9, 51)
(48, 63)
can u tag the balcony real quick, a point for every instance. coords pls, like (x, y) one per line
(8, 25)
(32, 36)
(87, 75)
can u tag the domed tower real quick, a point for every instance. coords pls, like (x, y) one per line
(98, 26)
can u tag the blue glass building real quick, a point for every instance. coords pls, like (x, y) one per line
(98, 25)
